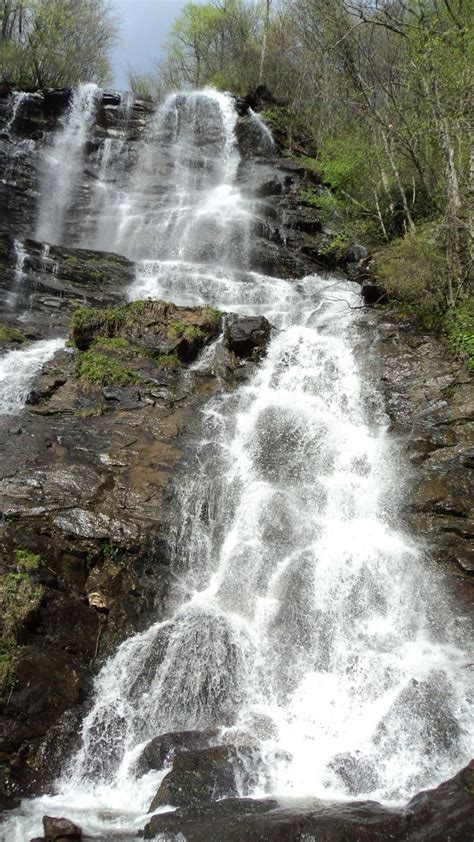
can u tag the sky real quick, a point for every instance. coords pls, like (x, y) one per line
(144, 27)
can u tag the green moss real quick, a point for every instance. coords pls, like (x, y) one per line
(27, 560)
(11, 334)
(18, 599)
(101, 370)
(458, 325)
(87, 319)
(114, 343)
(177, 330)
(211, 314)
(168, 360)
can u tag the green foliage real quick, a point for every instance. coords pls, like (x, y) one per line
(101, 370)
(413, 268)
(115, 344)
(168, 360)
(109, 551)
(11, 334)
(458, 325)
(88, 319)
(178, 330)
(211, 314)
(18, 599)
(27, 560)
(56, 42)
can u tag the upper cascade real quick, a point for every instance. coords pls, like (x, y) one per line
(63, 165)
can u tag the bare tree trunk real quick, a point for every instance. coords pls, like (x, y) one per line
(403, 195)
(264, 40)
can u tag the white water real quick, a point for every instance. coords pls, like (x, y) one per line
(63, 165)
(17, 370)
(304, 614)
(17, 100)
(18, 274)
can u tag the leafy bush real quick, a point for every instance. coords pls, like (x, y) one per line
(413, 268)
(459, 329)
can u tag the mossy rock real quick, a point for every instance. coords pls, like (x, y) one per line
(9, 334)
(19, 598)
(95, 369)
(149, 328)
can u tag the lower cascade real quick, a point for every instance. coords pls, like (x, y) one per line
(303, 628)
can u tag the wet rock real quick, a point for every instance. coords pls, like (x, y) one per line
(356, 772)
(247, 820)
(445, 813)
(163, 749)
(60, 829)
(422, 717)
(196, 776)
(245, 336)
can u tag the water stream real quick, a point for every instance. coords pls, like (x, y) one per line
(308, 625)
(17, 370)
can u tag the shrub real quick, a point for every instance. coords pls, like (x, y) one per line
(413, 269)
(458, 325)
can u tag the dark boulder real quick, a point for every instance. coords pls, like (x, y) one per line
(247, 335)
(59, 829)
(166, 747)
(199, 776)
(444, 814)
(248, 820)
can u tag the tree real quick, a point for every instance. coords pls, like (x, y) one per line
(53, 43)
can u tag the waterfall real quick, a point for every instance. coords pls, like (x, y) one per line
(63, 165)
(18, 273)
(309, 625)
(17, 370)
(17, 100)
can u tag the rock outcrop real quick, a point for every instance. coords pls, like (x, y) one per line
(445, 813)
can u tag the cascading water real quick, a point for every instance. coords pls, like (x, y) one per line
(17, 100)
(307, 626)
(17, 369)
(18, 274)
(63, 165)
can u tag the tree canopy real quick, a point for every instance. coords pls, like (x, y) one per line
(54, 43)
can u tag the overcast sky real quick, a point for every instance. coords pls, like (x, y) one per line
(144, 27)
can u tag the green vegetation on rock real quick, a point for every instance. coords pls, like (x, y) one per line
(168, 360)
(97, 369)
(18, 599)
(11, 334)
(458, 325)
(178, 330)
(26, 560)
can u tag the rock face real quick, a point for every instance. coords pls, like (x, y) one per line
(86, 509)
(429, 401)
(58, 830)
(247, 336)
(438, 815)
(166, 747)
(197, 776)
